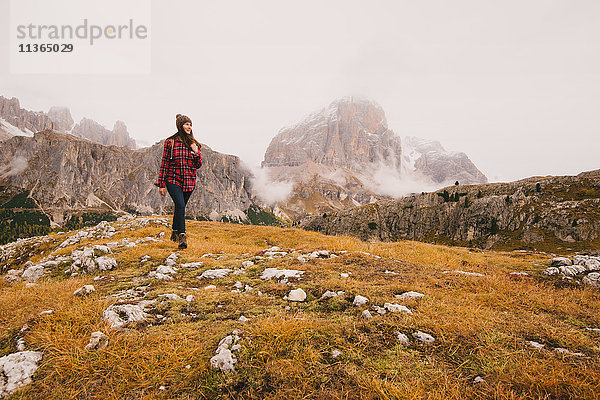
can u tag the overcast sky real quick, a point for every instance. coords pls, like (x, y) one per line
(514, 84)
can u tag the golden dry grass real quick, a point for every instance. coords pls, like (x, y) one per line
(481, 324)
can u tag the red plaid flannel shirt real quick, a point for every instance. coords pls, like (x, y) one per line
(178, 165)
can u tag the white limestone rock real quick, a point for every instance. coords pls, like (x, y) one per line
(394, 308)
(560, 261)
(170, 296)
(423, 337)
(403, 339)
(215, 273)
(592, 279)
(98, 341)
(16, 370)
(84, 290)
(360, 300)
(366, 314)
(591, 263)
(410, 295)
(298, 295)
(33, 273)
(270, 273)
(247, 264)
(120, 316)
(572, 270)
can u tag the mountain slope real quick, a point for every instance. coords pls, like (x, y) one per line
(66, 175)
(444, 323)
(534, 213)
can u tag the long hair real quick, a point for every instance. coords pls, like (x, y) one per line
(185, 138)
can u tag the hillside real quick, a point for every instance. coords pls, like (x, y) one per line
(225, 318)
(554, 213)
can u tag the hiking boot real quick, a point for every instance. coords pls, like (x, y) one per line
(182, 241)
(174, 236)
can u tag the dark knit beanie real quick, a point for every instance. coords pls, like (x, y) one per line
(181, 119)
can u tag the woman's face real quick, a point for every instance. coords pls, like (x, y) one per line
(187, 127)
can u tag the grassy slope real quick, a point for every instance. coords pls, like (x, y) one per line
(481, 325)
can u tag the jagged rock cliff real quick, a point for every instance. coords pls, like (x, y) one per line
(16, 121)
(66, 175)
(344, 155)
(540, 213)
(428, 159)
(95, 132)
(350, 133)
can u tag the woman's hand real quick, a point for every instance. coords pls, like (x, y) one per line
(194, 147)
(162, 191)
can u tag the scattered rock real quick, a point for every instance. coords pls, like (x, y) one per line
(189, 298)
(360, 300)
(335, 353)
(98, 341)
(270, 273)
(592, 279)
(192, 265)
(567, 352)
(33, 273)
(120, 316)
(409, 295)
(84, 290)
(16, 370)
(210, 287)
(297, 295)
(46, 312)
(560, 261)
(215, 273)
(170, 296)
(535, 345)
(243, 319)
(247, 264)
(423, 337)
(344, 275)
(366, 314)
(329, 294)
(391, 307)
(403, 339)
(172, 259)
(224, 358)
(478, 379)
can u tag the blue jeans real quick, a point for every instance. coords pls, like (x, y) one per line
(180, 199)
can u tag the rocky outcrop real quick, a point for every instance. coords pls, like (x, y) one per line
(13, 118)
(95, 132)
(61, 116)
(66, 175)
(15, 121)
(428, 159)
(344, 155)
(534, 213)
(349, 133)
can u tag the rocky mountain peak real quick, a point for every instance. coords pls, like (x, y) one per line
(61, 117)
(95, 132)
(350, 132)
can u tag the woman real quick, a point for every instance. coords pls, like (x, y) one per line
(177, 175)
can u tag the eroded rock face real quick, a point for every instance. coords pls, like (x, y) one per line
(349, 133)
(345, 155)
(16, 370)
(67, 174)
(488, 216)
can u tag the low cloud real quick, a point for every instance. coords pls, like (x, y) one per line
(17, 165)
(388, 181)
(268, 190)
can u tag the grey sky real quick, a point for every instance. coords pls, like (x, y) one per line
(514, 84)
